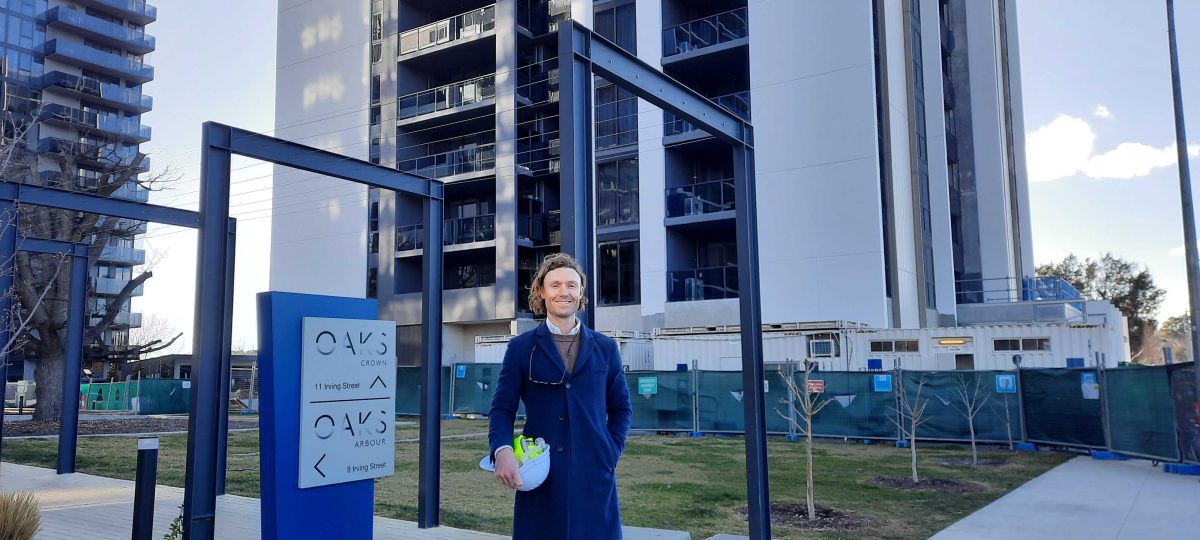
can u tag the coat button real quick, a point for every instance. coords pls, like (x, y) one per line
(568, 385)
(562, 419)
(560, 449)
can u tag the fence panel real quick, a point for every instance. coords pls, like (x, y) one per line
(719, 397)
(945, 394)
(668, 407)
(1062, 406)
(162, 396)
(861, 405)
(1140, 414)
(1187, 418)
(408, 390)
(474, 387)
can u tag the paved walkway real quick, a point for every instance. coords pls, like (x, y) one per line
(85, 506)
(1087, 498)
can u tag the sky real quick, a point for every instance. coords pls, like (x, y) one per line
(1097, 112)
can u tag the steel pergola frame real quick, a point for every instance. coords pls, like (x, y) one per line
(582, 54)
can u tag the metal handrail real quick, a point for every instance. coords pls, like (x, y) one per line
(450, 29)
(705, 32)
(447, 97)
(700, 198)
(737, 103)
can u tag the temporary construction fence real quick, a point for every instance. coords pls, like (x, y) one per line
(1140, 411)
(144, 396)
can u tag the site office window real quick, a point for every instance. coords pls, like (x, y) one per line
(1021, 345)
(896, 346)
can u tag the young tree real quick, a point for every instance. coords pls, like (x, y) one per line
(971, 399)
(801, 410)
(909, 414)
(1007, 418)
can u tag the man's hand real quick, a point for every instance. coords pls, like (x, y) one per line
(506, 469)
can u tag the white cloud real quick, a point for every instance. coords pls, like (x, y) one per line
(1102, 112)
(1177, 251)
(1059, 149)
(1066, 146)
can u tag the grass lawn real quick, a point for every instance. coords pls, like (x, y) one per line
(688, 484)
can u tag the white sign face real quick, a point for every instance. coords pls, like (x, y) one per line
(347, 401)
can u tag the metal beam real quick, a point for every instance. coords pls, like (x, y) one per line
(643, 80)
(429, 468)
(199, 500)
(68, 430)
(226, 361)
(8, 249)
(578, 166)
(97, 204)
(52, 247)
(324, 162)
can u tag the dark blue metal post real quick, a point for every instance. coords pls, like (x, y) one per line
(200, 495)
(68, 429)
(753, 402)
(226, 361)
(429, 472)
(8, 251)
(575, 140)
(143, 488)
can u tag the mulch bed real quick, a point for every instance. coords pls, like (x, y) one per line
(126, 425)
(796, 515)
(966, 462)
(905, 483)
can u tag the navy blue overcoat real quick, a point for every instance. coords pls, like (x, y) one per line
(584, 420)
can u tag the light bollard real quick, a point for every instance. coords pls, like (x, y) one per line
(143, 491)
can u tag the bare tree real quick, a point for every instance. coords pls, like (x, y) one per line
(971, 399)
(806, 404)
(1007, 416)
(156, 334)
(115, 167)
(910, 414)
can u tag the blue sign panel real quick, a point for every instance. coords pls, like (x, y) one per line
(883, 383)
(1006, 383)
(460, 371)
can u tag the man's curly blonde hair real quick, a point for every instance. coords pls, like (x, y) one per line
(554, 261)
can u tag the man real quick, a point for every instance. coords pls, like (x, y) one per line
(576, 398)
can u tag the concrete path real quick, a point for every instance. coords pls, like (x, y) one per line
(1086, 498)
(85, 506)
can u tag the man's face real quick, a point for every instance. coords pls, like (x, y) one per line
(562, 290)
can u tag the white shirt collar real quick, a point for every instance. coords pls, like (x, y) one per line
(554, 329)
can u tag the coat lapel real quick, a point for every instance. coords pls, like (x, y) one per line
(549, 350)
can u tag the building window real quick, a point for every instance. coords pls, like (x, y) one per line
(619, 272)
(616, 115)
(822, 346)
(618, 25)
(617, 192)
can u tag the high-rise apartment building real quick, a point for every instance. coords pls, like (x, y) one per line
(889, 164)
(75, 70)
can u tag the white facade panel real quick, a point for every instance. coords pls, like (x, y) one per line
(935, 135)
(319, 241)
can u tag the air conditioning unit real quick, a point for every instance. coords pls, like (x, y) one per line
(821, 348)
(693, 206)
(693, 289)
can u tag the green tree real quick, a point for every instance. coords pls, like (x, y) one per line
(1177, 326)
(1125, 283)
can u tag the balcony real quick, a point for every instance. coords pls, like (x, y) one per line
(123, 255)
(137, 11)
(537, 83)
(124, 318)
(111, 64)
(96, 154)
(113, 286)
(465, 160)
(444, 98)
(541, 229)
(714, 283)
(705, 32)
(700, 199)
(454, 232)
(467, 25)
(538, 155)
(89, 89)
(128, 129)
(128, 190)
(737, 103)
(97, 29)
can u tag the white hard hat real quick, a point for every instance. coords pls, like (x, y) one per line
(533, 471)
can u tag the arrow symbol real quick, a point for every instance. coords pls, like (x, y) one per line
(379, 380)
(317, 465)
